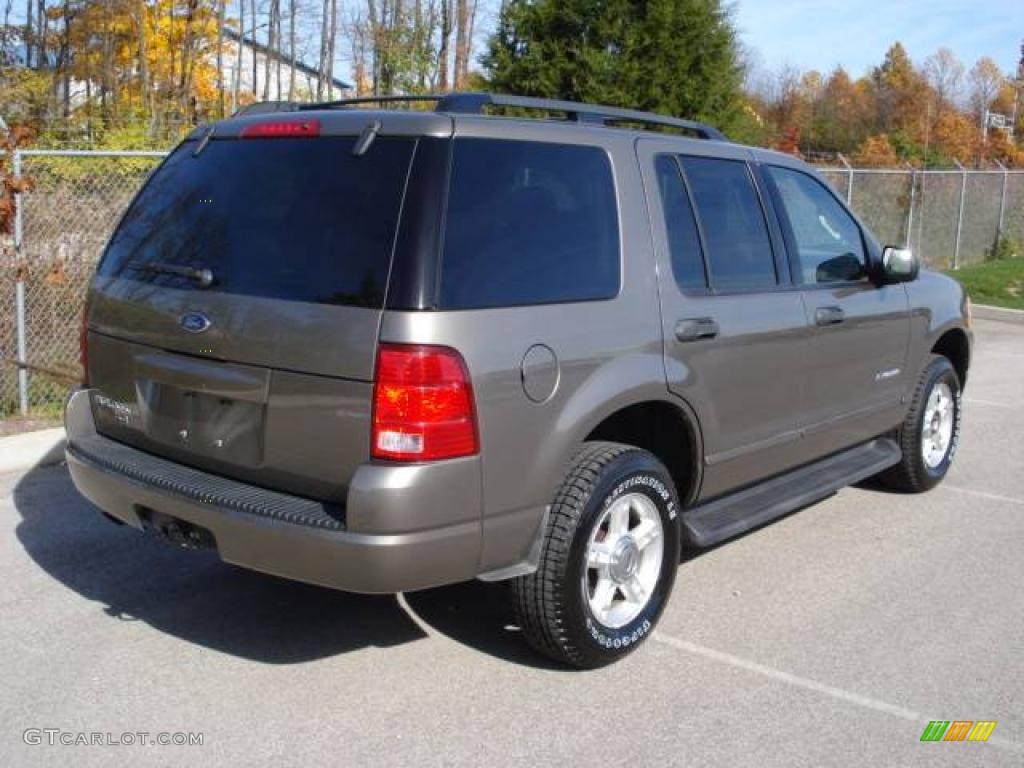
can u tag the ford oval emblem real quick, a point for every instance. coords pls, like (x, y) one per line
(194, 322)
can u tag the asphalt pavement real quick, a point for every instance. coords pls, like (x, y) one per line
(831, 637)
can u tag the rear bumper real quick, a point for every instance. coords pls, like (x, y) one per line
(404, 527)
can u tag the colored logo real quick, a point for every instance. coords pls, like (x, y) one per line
(958, 730)
(194, 322)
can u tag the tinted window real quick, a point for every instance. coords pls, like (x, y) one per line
(739, 252)
(298, 219)
(681, 227)
(529, 223)
(827, 239)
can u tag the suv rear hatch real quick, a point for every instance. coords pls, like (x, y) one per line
(233, 321)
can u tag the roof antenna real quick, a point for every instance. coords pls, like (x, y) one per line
(366, 138)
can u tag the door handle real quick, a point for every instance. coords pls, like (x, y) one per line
(828, 316)
(694, 328)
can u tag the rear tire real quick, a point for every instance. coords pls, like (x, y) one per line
(608, 561)
(930, 432)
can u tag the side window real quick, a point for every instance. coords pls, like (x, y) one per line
(529, 223)
(827, 239)
(739, 250)
(681, 227)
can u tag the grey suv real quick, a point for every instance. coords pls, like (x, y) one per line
(383, 350)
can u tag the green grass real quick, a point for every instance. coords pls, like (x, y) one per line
(999, 283)
(45, 396)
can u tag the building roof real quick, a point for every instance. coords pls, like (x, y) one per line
(300, 66)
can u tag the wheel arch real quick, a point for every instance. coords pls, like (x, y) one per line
(656, 425)
(954, 345)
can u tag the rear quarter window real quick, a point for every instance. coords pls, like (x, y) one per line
(739, 250)
(681, 227)
(295, 219)
(529, 223)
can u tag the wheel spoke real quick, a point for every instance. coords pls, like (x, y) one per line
(599, 555)
(633, 591)
(618, 520)
(604, 593)
(646, 533)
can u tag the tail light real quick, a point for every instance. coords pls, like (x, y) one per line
(422, 404)
(282, 129)
(83, 346)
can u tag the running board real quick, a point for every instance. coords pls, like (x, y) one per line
(725, 517)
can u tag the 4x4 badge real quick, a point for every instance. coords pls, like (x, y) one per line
(194, 322)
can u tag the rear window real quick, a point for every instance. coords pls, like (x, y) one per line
(296, 219)
(529, 223)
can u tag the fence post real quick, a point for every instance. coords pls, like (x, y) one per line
(960, 214)
(910, 207)
(849, 178)
(1002, 201)
(19, 291)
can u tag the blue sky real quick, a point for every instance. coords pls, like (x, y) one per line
(818, 34)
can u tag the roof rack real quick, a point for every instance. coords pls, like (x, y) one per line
(357, 100)
(266, 107)
(477, 104)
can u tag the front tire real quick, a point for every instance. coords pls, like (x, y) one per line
(609, 558)
(930, 432)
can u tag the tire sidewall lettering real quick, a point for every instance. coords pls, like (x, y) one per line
(640, 481)
(613, 640)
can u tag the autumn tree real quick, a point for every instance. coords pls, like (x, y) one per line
(985, 80)
(944, 72)
(900, 93)
(876, 151)
(786, 102)
(954, 137)
(843, 115)
(11, 186)
(898, 113)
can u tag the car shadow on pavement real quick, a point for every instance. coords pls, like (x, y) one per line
(196, 597)
(478, 615)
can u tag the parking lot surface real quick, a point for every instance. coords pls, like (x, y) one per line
(831, 637)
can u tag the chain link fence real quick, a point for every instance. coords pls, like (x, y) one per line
(950, 218)
(62, 224)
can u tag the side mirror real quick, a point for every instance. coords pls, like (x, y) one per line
(899, 265)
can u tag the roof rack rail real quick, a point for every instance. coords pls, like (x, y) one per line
(266, 107)
(477, 103)
(357, 100)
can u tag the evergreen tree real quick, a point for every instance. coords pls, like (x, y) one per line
(677, 57)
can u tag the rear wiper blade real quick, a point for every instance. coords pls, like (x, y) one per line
(202, 276)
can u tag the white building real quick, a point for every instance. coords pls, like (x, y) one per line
(256, 53)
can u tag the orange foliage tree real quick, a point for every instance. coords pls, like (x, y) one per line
(876, 150)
